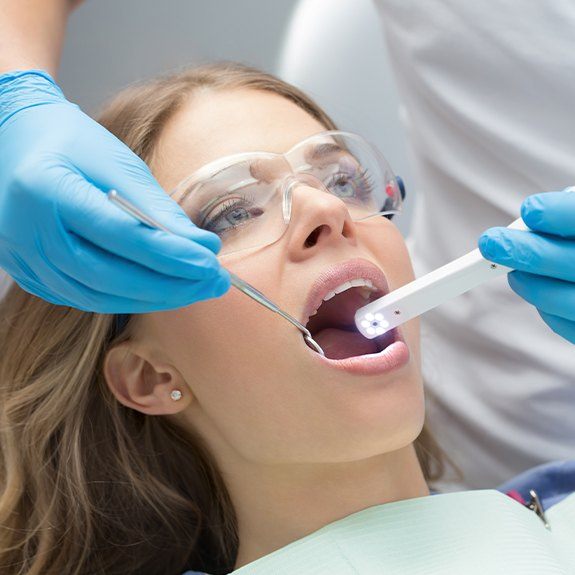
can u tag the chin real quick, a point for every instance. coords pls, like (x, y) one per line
(372, 431)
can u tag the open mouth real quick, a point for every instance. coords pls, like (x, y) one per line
(334, 300)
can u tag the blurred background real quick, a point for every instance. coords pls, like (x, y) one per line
(112, 43)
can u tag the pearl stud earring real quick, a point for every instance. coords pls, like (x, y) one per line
(176, 395)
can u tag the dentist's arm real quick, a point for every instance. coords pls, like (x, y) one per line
(32, 33)
(60, 238)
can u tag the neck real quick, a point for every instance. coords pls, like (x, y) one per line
(276, 505)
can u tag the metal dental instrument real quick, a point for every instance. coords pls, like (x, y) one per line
(429, 291)
(243, 286)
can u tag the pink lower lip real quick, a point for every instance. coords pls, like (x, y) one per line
(393, 357)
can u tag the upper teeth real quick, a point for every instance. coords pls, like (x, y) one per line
(359, 282)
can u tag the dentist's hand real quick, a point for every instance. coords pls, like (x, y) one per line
(62, 239)
(545, 261)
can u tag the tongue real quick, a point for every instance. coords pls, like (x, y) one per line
(339, 344)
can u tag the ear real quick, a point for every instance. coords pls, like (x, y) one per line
(142, 384)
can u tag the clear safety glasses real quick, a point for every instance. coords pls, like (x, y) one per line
(246, 199)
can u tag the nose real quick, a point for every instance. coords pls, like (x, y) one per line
(318, 219)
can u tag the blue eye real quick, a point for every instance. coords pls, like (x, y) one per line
(342, 186)
(358, 185)
(230, 215)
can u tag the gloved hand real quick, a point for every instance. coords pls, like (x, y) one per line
(63, 240)
(545, 261)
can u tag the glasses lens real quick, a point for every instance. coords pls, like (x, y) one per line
(351, 169)
(239, 202)
(242, 200)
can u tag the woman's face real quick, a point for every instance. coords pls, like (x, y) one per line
(259, 393)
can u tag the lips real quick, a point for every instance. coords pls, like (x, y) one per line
(332, 303)
(338, 274)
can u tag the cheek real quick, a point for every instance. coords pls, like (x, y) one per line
(215, 343)
(387, 244)
(236, 356)
(385, 241)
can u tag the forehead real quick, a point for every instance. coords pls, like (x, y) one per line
(213, 124)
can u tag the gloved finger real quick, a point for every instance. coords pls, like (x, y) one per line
(530, 252)
(549, 295)
(551, 213)
(563, 327)
(46, 282)
(87, 299)
(90, 215)
(104, 303)
(113, 275)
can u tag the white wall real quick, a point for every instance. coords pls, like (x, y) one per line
(111, 43)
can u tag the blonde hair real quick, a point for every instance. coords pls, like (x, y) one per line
(88, 486)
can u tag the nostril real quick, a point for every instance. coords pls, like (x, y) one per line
(311, 240)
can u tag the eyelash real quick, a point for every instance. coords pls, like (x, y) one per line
(364, 177)
(240, 201)
(369, 182)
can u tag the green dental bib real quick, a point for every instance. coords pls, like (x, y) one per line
(469, 533)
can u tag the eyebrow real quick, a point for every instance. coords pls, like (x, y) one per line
(207, 178)
(240, 185)
(211, 203)
(196, 183)
(321, 151)
(213, 200)
(317, 153)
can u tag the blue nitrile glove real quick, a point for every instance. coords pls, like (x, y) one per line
(62, 239)
(545, 260)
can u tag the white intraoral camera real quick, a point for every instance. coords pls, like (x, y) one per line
(429, 291)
